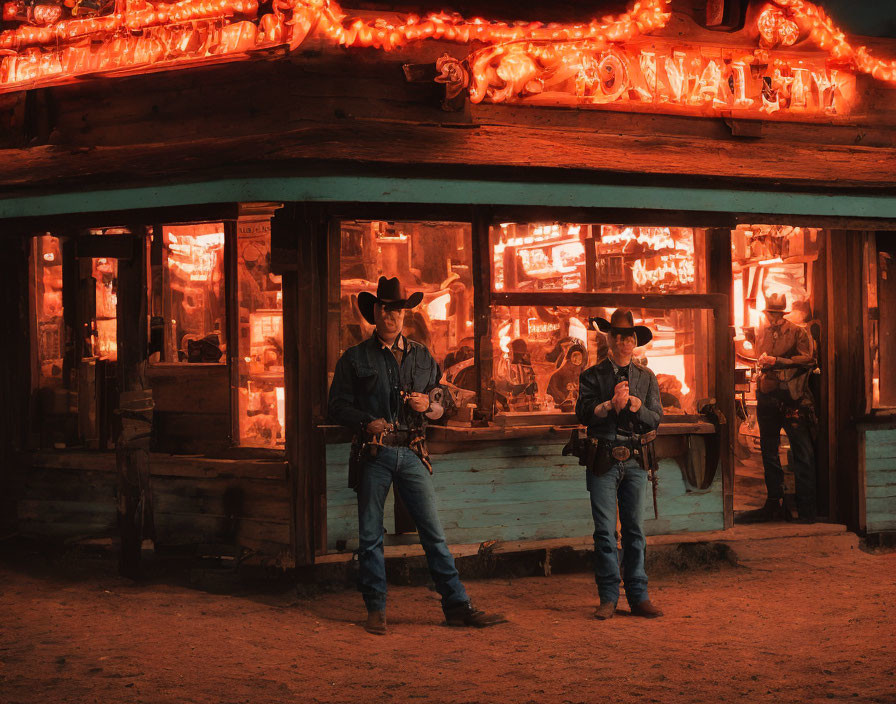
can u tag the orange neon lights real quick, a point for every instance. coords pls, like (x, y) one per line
(821, 30)
(660, 76)
(520, 62)
(680, 269)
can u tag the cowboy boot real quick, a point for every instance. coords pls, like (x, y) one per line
(605, 611)
(467, 615)
(646, 610)
(376, 623)
(772, 510)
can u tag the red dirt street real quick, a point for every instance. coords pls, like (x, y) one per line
(799, 620)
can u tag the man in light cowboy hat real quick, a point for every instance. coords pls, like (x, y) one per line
(619, 402)
(385, 389)
(783, 400)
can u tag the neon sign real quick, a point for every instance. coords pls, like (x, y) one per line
(651, 237)
(659, 75)
(679, 269)
(607, 62)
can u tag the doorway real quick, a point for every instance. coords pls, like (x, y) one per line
(770, 262)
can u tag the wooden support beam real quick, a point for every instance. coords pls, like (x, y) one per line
(663, 301)
(720, 282)
(482, 303)
(845, 371)
(135, 506)
(232, 334)
(304, 355)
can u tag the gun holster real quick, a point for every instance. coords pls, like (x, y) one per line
(648, 449)
(356, 458)
(595, 455)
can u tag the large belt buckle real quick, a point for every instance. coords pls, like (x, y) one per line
(621, 453)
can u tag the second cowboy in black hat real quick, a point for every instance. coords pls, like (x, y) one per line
(619, 402)
(384, 389)
(784, 401)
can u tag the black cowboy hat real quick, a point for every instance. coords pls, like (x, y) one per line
(391, 294)
(622, 323)
(776, 303)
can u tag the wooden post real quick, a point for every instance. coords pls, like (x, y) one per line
(845, 362)
(482, 301)
(232, 334)
(299, 236)
(825, 447)
(135, 510)
(720, 281)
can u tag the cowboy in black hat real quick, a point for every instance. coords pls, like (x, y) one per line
(784, 400)
(619, 402)
(385, 389)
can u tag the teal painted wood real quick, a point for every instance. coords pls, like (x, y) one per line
(375, 189)
(880, 449)
(521, 491)
(884, 491)
(882, 435)
(881, 525)
(881, 506)
(880, 480)
(880, 465)
(881, 477)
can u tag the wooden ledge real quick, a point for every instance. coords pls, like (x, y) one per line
(160, 464)
(442, 434)
(768, 531)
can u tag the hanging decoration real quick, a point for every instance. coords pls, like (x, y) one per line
(606, 62)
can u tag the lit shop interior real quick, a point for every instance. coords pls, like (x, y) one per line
(215, 321)
(199, 344)
(539, 349)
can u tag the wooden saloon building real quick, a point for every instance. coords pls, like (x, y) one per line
(192, 195)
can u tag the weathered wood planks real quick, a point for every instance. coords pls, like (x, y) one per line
(197, 500)
(520, 491)
(880, 479)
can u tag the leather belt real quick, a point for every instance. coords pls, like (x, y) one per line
(396, 438)
(623, 452)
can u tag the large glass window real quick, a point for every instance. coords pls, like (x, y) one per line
(881, 261)
(599, 258)
(192, 300)
(262, 398)
(103, 338)
(540, 348)
(539, 353)
(432, 257)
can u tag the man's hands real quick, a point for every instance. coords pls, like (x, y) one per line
(620, 396)
(417, 401)
(766, 360)
(622, 399)
(376, 427)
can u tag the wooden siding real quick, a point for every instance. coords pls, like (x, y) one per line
(70, 496)
(880, 480)
(519, 491)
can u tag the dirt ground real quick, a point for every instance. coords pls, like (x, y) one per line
(799, 620)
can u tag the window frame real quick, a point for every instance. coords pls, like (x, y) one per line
(481, 220)
(872, 252)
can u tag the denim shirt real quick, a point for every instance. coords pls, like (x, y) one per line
(598, 383)
(368, 382)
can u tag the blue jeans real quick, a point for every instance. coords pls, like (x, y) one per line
(414, 484)
(624, 482)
